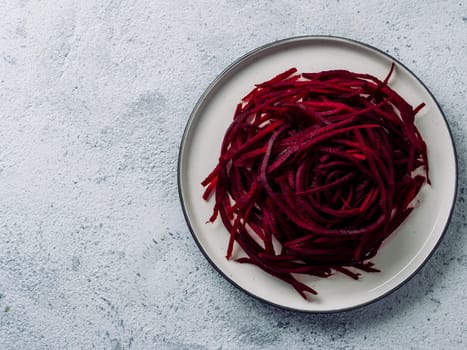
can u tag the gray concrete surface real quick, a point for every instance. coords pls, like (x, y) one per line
(94, 250)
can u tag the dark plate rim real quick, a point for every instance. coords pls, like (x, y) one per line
(209, 90)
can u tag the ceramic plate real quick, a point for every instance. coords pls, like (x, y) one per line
(400, 256)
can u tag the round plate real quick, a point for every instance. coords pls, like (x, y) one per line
(400, 256)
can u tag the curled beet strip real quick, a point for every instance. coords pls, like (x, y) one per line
(315, 171)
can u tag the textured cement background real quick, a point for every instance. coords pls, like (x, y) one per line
(94, 250)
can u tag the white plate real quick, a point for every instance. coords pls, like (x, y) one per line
(400, 256)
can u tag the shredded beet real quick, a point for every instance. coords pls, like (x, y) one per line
(315, 171)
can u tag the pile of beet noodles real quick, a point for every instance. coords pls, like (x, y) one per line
(315, 171)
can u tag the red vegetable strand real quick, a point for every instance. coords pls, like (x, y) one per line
(316, 170)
